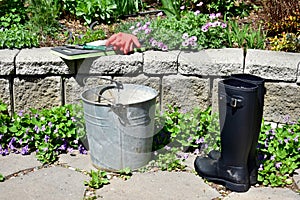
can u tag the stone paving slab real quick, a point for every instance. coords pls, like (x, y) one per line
(77, 161)
(45, 184)
(159, 185)
(58, 182)
(265, 193)
(16, 162)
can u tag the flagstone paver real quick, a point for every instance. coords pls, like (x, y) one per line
(45, 184)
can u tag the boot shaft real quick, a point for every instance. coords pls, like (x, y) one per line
(237, 110)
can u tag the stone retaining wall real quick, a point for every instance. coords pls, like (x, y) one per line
(34, 78)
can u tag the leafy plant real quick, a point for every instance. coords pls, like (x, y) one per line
(278, 153)
(89, 36)
(168, 160)
(285, 42)
(183, 133)
(48, 132)
(126, 7)
(172, 8)
(244, 36)
(18, 36)
(229, 8)
(12, 12)
(2, 178)
(125, 173)
(102, 10)
(43, 16)
(192, 32)
(98, 179)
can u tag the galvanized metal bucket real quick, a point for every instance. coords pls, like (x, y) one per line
(120, 125)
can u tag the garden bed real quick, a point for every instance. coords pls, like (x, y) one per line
(249, 23)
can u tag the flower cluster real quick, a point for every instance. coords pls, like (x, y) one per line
(278, 153)
(140, 28)
(189, 41)
(214, 22)
(158, 44)
(48, 133)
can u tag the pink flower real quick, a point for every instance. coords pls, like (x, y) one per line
(218, 15)
(185, 36)
(164, 48)
(159, 14)
(200, 4)
(197, 12)
(182, 7)
(224, 25)
(212, 16)
(193, 38)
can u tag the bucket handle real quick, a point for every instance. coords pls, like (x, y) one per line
(119, 85)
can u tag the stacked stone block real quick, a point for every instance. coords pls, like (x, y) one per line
(35, 78)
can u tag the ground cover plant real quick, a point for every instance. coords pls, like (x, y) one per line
(30, 23)
(198, 132)
(50, 132)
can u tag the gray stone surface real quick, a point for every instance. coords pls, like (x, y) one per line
(185, 92)
(118, 64)
(159, 62)
(37, 93)
(7, 61)
(264, 193)
(74, 86)
(272, 65)
(282, 100)
(45, 184)
(13, 163)
(40, 61)
(159, 185)
(296, 178)
(4, 91)
(77, 161)
(211, 62)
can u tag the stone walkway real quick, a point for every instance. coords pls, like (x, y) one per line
(28, 179)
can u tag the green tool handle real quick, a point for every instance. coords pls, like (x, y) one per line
(94, 47)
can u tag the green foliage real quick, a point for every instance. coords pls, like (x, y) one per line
(244, 36)
(183, 133)
(192, 32)
(43, 16)
(126, 7)
(279, 153)
(98, 179)
(88, 36)
(2, 178)
(18, 36)
(229, 8)
(12, 12)
(93, 10)
(168, 161)
(286, 42)
(172, 8)
(125, 173)
(48, 132)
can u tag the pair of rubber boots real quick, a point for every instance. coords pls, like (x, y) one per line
(241, 100)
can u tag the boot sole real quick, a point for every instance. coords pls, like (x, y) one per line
(236, 187)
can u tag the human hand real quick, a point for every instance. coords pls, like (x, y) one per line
(124, 42)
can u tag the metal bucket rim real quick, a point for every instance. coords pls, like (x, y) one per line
(154, 92)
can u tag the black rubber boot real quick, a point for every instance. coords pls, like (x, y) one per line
(237, 110)
(252, 158)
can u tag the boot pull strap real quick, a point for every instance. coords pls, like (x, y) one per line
(235, 101)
